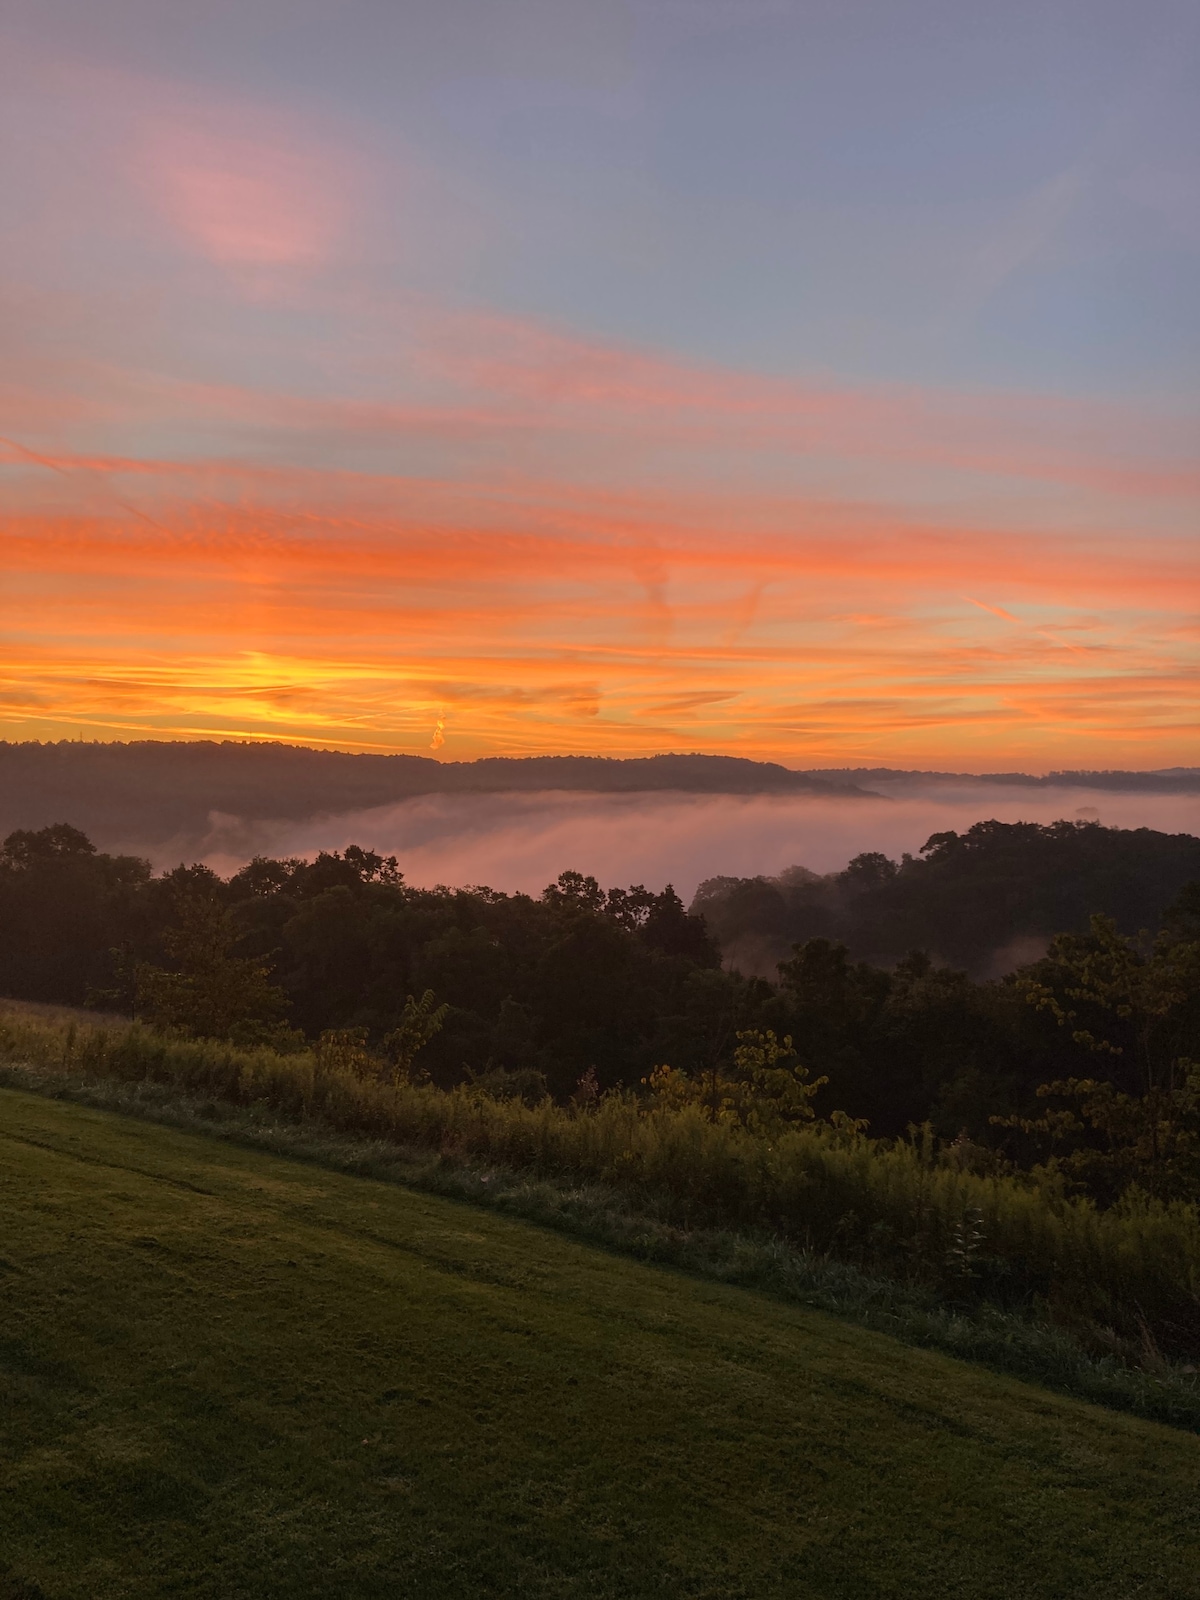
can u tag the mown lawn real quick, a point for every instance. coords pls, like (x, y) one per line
(227, 1374)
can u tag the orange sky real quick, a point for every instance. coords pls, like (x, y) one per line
(264, 476)
(528, 613)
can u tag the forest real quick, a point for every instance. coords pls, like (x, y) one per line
(985, 900)
(1083, 1058)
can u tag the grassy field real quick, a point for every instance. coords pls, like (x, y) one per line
(1103, 1303)
(226, 1374)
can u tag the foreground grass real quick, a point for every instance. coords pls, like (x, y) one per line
(1125, 1280)
(1012, 1342)
(227, 1374)
(1104, 1306)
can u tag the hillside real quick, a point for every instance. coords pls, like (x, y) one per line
(895, 780)
(152, 794)
(151, 791)
(985, 900)
(235, 1376)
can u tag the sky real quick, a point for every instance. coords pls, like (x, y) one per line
(811, 380)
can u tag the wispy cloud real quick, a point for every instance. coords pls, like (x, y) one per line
(248, 200)
(527, 618)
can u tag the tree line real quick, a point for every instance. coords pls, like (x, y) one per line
(1085, 1058)
(984, 900)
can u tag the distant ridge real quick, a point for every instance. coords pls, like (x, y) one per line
(1164, 780)
(153, 790)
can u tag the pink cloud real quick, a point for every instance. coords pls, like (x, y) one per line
(246, 201)
(551, 378)
(243, 182)
(484, 387)
(247, 184)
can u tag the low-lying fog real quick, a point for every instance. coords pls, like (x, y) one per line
(523, 841)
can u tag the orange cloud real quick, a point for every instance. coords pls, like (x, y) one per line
(528, 617)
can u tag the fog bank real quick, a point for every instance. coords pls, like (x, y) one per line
(523, 841)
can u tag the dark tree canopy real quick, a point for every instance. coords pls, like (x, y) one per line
(983, 900)
(584, 989)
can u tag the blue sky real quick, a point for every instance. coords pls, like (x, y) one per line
(973, 194)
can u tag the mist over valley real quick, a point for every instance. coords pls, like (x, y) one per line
(515, 824)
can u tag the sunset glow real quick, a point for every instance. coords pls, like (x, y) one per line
(295, 448)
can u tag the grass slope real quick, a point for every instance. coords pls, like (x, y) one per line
(227, 1374)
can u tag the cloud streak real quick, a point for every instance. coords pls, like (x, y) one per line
(355, 609)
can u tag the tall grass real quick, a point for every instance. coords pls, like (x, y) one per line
(1128, 1277)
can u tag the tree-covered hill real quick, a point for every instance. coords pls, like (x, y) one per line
(1163, 780)
(149, 793)
(985, 900)
(153, 791)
